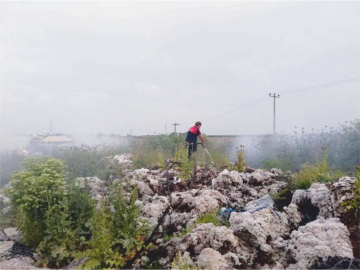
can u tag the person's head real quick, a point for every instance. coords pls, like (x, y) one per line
(198, 124)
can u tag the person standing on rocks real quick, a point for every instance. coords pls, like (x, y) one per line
(191, 138)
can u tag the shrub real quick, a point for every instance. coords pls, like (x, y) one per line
(33, 191)
(52, 215)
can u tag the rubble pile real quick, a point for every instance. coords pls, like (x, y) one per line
(256, 235)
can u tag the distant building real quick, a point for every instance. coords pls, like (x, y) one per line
(51, 139)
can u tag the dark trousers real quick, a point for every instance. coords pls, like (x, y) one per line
(192, 149)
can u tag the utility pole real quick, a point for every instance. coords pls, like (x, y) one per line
(175, 124)
(275, 97)
(165, 129)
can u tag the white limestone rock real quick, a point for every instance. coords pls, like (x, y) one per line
(319, 238)
(260, 229)
(210, 259)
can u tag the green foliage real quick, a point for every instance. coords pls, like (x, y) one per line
(144, 158)
(100, 247)
(212, 217)
(60, 240)
(290, 152)
(315, 173)
(51, 215)
(116, 235)
(209, 218)
(186, 165)
(180, 263)
(150, 151)
(33, 191)
(125, 228)
(81, 210)
(352, 206)
(220, 159)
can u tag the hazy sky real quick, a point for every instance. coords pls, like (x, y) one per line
(113, 67)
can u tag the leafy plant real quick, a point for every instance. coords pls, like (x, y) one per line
(127, 229)
(100, 247)
(33, 191)
(81, 210)
(60, 240)
(116, 235)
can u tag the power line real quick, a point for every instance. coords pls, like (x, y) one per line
(293, 91)
(321, 86)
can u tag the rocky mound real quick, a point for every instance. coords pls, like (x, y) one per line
(255, 236)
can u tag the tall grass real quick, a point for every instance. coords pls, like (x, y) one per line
(318, 172)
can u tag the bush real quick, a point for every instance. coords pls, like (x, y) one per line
(33, 192)
(52, 216)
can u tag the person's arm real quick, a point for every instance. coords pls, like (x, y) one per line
(202, 139)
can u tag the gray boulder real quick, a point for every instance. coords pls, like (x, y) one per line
(210, 259)
(198, 202)
(320, 238)
(260, 229)
(227, 180)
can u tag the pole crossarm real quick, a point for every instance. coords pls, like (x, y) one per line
(175, 124)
